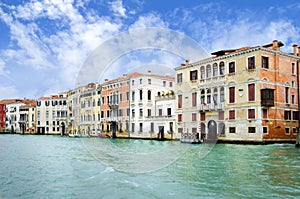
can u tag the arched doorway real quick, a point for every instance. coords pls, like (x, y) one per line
(212, 130)
(63, 128)
(202, 130)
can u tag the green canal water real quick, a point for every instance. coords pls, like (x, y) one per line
(61, 167)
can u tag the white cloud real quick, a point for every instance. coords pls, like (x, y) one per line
(2, 66)
(149, 20)
(8, 92)
(118, 8)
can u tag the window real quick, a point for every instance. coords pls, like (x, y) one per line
(193, 75)
(179, 78)
(133, 112)
(231, 129)
(171, 84)
(202, 116)
(294, 130)
(149, 81)
(179, 101)
(127, 96)
(287, 115)
(132, 127)
(215, 69)
(287, 131)
(151, 127)
(264, 62)
(231, 67)
(179, 117)
(265, 129)
(141, 94)
(121, 97)
(251, 92)
(221, 115)
(251, 113)
(251, 62)
(132, 82)
(128, 111)
(232, 114)
(293, 68)
(208, 71)
(164, 83)
(160, 112)
(141, 112)
(222, 68)
(149, 95)
(149, 112)
(293, 99)
(180, 130)
(231, 94)
(194, 130)
(265, 113)
(295, 115)
(215, 96)
(202, 97)
(169, 111)
(53, 129)
(141, 81)
(132, 96)
(141, 127)
(286, 94)
(251, 129)
(194, 117)
(202, 72)
(222, 94)
(194, 99)
(208, 96)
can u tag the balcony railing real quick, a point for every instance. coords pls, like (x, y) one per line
(211, 107)
(160, 117)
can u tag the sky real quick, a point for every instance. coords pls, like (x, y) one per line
(44, 44)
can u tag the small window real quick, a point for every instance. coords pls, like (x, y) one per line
(141, 81)
(194, 99)
(287, 115)
(251, 62)
(179, 101)
(232, 114)
(179, 117)
(265, 113)
(287, 131)
(293, 68)
(264, 62)
(221, 115)
(231, 129)
(194, 117)
(265, 129)
(231, 94)
(171, 84)
(202, 116)
(179, 78)
(193, 75)
(251, 129)
(294, 130)
(231, 67)
(149, 81)
(251, 113)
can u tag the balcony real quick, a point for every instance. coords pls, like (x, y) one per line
(212, 107)
(160, 117)
(267, 97)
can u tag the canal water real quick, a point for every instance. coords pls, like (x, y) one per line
(61, 167)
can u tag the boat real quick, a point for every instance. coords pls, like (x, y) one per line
(191, 141)
(103, 135)
(71, 135)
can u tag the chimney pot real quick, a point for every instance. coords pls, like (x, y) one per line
(295, 49)
(275, 45)
(186, 62)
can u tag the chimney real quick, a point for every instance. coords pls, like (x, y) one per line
(275, 45)
(186, 62)
(295, 49)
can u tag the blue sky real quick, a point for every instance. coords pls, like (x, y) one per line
(44, 43)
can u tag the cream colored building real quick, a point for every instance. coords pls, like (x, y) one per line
(52, 114)
(27, 118)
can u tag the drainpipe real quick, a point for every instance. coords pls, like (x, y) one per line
(298, 91)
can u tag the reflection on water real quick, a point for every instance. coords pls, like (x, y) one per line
(59, 167)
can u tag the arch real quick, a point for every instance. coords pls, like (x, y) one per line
(208, 96)
(212, 130)
(215, 96)
(202, 72)
(222, 68)
(202, 96)
(208, 71)
(222, 94)
(221, 129)
(215, 69)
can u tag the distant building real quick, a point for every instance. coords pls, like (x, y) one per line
(51, 114)
(245, 94)
(27, 118)
(2, 117)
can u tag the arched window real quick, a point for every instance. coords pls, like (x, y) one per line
(215, 96)
(208, 71)
(202, 72)
(202, 97)
(222, 68)
(208, 99)
(215, 69)
(222, 94)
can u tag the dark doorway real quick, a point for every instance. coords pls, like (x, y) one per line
(212, 130)
(161, 133)
(114, 129)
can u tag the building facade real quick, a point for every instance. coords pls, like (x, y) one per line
(51, 114)
(27, 118)
(245, 94)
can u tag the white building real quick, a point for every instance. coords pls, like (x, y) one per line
(13, 116)
(143, 89)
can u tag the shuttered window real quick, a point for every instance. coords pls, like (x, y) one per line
(251, 113)
(251, 92)
(231, 94)
(194, 99)
(179, 101)
(232, 114)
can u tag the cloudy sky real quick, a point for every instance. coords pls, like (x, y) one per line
(45, 43)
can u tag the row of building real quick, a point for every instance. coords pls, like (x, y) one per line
(244, 94)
